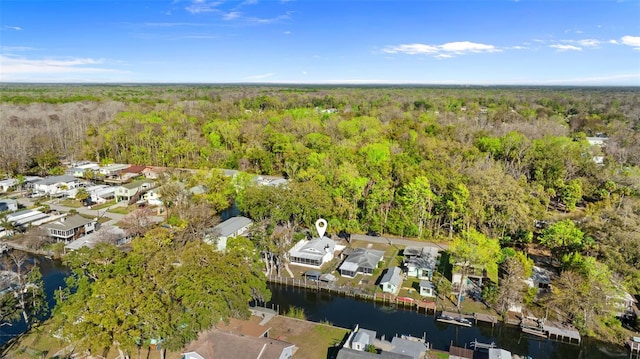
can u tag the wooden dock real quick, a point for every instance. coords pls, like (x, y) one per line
(485, 318)
(455, 319)
(550, 330)
(634, 347)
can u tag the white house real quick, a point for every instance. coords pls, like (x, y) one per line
(312, 253)
(152, 197)
(597, 141)
(359, 338)
(112, 169)
(101, 194)
(10, 205)
(55, 185)
(7, 184)
(232, 227)
(427, 289)
(70, 228)
(392, 280)
(540, 278)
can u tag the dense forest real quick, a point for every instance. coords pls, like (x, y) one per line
(512, 164)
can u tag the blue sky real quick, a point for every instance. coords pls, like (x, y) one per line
(544, 42)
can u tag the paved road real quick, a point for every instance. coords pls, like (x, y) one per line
(99, 213)
(398, 241)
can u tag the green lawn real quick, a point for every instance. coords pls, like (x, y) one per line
(120, 210)
(104, 205)
(70, 203)
(313, 340)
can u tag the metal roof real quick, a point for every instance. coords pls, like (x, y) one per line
(232, 225)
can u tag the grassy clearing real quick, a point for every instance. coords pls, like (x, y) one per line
(120, 210)
(72, 203)
(104, 205)
(313, 340)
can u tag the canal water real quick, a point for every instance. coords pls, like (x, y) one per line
(390, 320)
(387, 320)
(53, 276)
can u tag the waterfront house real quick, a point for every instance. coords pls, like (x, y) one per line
(391, 281)
(56, 185)
(8, 205)
(420, 262)
(496, 353)
(359, 338)
(427, 289)
(108, 234)
(232, 227)
(67, 229)
(361, 260)
(312, 253)
(540, 278)
(412, 348)
(136, 189)
(226, 345)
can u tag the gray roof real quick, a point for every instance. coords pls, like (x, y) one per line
(425, 262)
(137, 184)
(232, 225)
(426, 284)
(392, 276)
(70, 222)
(407, 347)
(56, 179)
(92, 239)
(346, 353)
(363, 258)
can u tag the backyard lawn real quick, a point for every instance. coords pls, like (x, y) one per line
(313, 340)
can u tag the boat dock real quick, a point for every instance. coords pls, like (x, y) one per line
(485, 318)
(634, 347)
(476, 345)
(455, 318)
(551, 330)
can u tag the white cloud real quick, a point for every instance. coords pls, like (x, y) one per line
(287, 32)
(202, 6)
(12, 65)
(446, 50)
(588, 42)
(631, 41)
(16, 28)
(6, 49)
(232, 15)
(615, 42)
(259, 77)
(566, 47)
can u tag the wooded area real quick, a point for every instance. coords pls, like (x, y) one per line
(511, 165)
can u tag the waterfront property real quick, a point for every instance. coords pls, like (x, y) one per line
(312, 253)
(427, 289)
(232, 227)
(228, 345)
(66, 229)
(391, 281)
(420, 262)
(360, 260)
(400, 347)
(110, 234)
